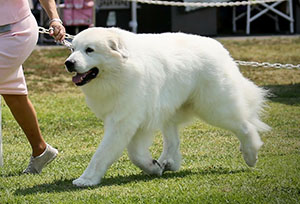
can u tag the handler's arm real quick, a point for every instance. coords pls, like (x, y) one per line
(59, 31)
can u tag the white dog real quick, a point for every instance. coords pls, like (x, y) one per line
(138, 83)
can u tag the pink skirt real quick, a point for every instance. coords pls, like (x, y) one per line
(15, 47)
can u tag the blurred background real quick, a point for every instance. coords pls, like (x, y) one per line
(273, 18)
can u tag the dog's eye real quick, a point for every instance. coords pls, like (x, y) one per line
(89, 50)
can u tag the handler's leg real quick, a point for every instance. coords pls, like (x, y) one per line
(25, 115)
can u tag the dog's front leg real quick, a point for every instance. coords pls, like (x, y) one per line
(115, 140)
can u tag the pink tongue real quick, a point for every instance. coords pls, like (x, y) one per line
(78, 78)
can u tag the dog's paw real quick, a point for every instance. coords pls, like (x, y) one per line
(155, 168)
(83, 182)
(170, 165)
(250, 156)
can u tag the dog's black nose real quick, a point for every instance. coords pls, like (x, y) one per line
(70, 64)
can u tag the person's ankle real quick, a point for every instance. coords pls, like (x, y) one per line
(37, 151)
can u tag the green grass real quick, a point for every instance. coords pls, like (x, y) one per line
(213, 170)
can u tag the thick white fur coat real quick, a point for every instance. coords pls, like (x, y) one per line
(159, 81)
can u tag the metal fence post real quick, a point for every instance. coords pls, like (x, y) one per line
(1, 158)
(133, 23)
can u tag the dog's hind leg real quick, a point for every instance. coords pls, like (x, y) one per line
(250, 142)
(170, 157)
(139, 154)
(248, 136)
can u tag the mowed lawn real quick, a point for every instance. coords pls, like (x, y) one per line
(212, 171)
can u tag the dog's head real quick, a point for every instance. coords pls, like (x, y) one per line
(95, 50)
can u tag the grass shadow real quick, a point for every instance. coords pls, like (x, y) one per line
(66, 185)
(221, 171)
(121, 180)
(286, 94)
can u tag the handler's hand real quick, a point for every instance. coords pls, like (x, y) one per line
(57, 30)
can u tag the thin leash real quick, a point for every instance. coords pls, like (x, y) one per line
(68, 44)
(65, 42)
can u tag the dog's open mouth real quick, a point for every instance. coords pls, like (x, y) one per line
(81, 79)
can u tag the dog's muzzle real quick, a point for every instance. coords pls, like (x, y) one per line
(81, 78)
(70, 65)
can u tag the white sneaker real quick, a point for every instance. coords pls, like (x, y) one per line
(36, 164)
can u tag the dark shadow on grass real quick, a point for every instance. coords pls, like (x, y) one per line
(55, 187)
(286, 94)
(121, 180)
(66, 185)
(221, 170)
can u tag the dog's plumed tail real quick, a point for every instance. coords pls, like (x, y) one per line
(256, 99)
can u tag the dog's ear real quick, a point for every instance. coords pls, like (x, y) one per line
(117, 47)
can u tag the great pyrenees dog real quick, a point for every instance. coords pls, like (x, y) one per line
(140, 83)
